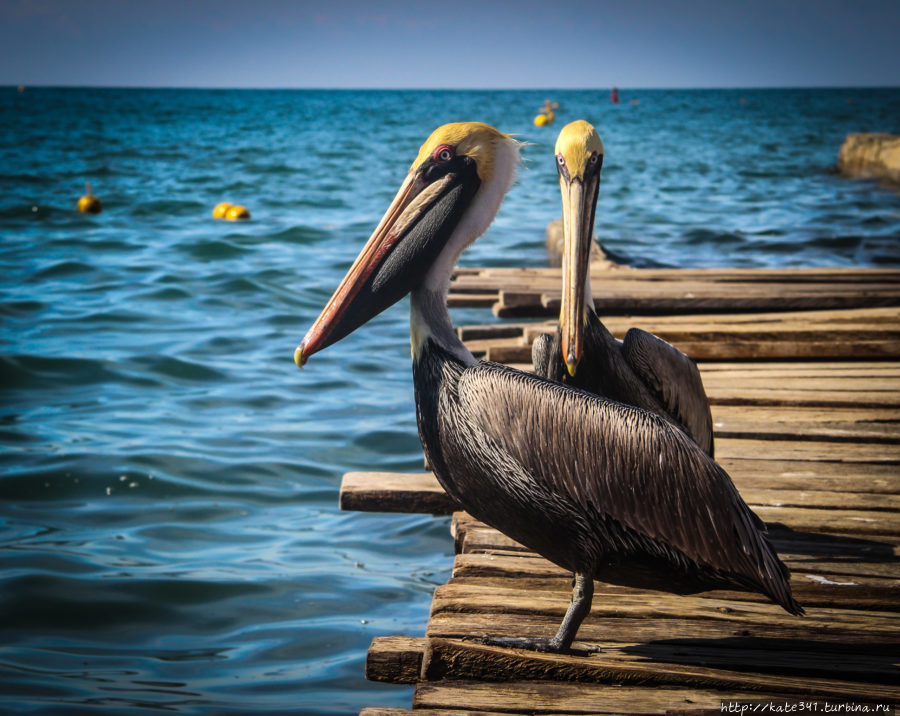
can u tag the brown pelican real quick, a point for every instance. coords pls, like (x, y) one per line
(600, 488)
(642, 370)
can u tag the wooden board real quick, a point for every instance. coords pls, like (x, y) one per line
(697, 666)
(877, 554)
(535, 292)
(877, 637)
(549, 697)
(862, 488)
(394, 492)
(859, 333)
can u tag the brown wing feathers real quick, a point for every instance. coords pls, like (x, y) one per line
(628, 464)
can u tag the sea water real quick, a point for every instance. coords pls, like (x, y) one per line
(168, 479)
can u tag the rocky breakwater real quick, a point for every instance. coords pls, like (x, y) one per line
(871, 155)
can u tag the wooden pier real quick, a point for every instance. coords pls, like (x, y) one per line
(802, 368)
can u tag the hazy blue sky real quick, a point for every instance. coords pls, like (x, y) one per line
(455, 43)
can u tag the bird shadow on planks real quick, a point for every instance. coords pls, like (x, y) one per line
(836, 547)
(873, 661)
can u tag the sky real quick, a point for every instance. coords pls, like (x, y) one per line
(450, 44)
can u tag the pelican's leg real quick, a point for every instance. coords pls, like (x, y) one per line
(579, 607)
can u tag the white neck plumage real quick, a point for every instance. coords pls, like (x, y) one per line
(428, 316)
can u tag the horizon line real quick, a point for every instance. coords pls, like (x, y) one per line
(446, 89)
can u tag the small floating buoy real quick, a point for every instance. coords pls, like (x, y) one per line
(221, 209)
(20, 88)
(546, 115)
(236, 213)
(89, 204)
(614, 95)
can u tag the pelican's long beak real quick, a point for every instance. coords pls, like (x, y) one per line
(579, 199)
(405, 243)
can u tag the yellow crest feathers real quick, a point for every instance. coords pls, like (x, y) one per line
(474, 139)
(576, 142)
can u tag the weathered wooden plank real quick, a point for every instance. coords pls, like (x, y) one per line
(487, 560)
(396, 659)
(875, 369)
(460, 597)
(874, 322)
(741, 298)
(822, 499)
(641, 282)
(635, 283)
(723, 348)
(807, 450)
(472, 299)
(857, 523)
(861, 593)
(777, 394)
(760, 473)
(776, 483)
(861, 550)
(839, 383)
(696, 328)
(497, 275)
(689, 664)
(812, 334)
(821, 582)
(877, 638)
(633, 665)
(838, 554)
(548, 697)
(394, 492)
(792, 423)
(813, 588)
(801, 550)
(726, 347)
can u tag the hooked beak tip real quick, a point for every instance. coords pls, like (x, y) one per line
(571, 364)
(299, 358)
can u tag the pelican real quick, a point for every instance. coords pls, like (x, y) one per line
(642, 370)
(601, 489)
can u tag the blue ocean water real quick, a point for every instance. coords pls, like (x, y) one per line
(169, 531)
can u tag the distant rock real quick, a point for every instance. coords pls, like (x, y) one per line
(871, 155)
(555, 243)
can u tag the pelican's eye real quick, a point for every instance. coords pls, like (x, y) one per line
(561, 160)
(593, 159)
(443, 153)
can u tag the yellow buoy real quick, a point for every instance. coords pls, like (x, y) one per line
(541, 120)
(236, 212)
(89, 204)
(221, 209)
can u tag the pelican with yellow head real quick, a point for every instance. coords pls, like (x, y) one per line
(642, 370)
(518, 451)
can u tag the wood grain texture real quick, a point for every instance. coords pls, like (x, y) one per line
(633, 665)
(549, 697)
